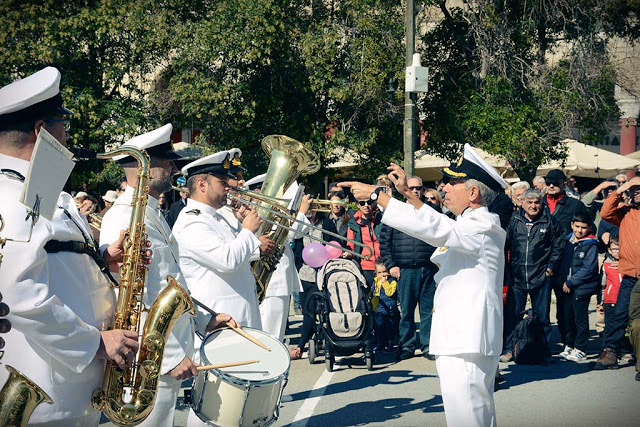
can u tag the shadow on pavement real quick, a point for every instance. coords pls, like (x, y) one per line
(376, 412)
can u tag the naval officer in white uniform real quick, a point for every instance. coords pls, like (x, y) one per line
(274, 309)
(61, 303)
(177, 363)
(213, 258)
(466, 332)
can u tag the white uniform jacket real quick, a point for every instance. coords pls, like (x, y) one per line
(164, 262)
(284, 279)
(467, 313)
(215, 262)
(59, 303)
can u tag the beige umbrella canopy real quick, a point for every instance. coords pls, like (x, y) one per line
(590, 162)
(635, 155)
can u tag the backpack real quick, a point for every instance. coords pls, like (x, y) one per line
(343, 286)
(529, 340)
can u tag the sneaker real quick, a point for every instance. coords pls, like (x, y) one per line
(506, 357)
(576, 355)
(566, 352)
(608, 359)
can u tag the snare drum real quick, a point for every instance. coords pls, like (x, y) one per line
(247, 395)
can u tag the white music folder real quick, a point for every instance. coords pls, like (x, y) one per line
(49, 168)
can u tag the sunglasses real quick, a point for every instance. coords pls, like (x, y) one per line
(553, 182)
(366, 202)
(416, 188)
(431, 198)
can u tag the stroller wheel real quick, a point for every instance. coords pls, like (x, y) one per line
(312, 351)
(328, 362)
(369, 361)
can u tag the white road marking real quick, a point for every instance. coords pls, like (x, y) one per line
(309, 405)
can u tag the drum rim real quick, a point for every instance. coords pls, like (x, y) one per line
(240, 381)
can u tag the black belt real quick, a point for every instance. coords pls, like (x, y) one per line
(55, 246)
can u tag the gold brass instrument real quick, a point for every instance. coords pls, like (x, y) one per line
(140, 381)
(321, 205)
(19, 397)
(95, 221)
(279, 207)
(289, 159)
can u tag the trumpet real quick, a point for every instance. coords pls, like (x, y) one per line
(95, 220)
(279, 207)
(322, 205)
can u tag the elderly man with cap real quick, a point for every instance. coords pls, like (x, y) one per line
(466, 331)
(177, 363)
(61, 302)
(562, 207)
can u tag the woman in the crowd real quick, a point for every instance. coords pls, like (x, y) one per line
(163, 206)
(433, 196)
(365, 227)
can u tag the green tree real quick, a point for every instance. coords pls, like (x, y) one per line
(492, 83)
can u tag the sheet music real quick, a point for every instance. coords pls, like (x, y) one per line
(49, 168)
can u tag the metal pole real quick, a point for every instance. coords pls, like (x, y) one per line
(409, 98)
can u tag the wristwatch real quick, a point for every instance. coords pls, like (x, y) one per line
(374, 196)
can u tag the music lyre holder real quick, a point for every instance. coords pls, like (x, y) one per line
(34, 214)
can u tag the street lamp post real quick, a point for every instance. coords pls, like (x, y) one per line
(409, 97)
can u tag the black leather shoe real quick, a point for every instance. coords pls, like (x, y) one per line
(428, 356)
(637, 376)
(406, 354)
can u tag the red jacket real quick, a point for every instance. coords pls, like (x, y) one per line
(613, 283)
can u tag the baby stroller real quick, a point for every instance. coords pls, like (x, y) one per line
(343, 314)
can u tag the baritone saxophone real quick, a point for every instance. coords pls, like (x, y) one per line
(127, 397)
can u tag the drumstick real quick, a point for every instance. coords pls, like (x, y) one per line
(238, 330)
(226, 365)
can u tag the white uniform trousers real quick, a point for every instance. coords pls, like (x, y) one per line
(165, 407)
(466, 382)
(274, 312)
(194, 421)
(90, 420)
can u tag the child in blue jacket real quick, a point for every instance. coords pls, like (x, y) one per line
(579, 271)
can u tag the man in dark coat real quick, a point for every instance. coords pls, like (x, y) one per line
(535, 242)
(563, 208)
(408, 260)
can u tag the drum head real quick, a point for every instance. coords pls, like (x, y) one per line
(225, 345)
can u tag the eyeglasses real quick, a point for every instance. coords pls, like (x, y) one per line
(66, 123)
(416, 188)
(366, 202)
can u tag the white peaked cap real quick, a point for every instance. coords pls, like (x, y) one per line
(255, 181)
(156, 143)
(215, 164)
(33, 96)
(472, 166)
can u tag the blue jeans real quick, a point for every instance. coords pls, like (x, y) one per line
(416, 287)
(540, 302)
(614, 328)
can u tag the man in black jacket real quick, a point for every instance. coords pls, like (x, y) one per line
(562, 207)
(535, 242)
(407, 259)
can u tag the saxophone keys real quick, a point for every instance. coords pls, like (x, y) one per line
(149, 369)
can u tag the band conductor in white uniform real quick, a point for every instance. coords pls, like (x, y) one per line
(177, 363)
(61, 302)
(466, 333)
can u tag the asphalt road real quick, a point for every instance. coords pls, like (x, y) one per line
(407, 393)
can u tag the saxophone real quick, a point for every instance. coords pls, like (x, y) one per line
(127, 397)
(18, 399)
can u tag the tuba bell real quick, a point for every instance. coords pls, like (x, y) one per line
(289, 159)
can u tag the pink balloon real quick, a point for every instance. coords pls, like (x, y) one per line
(315, 255)
(333, 252)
